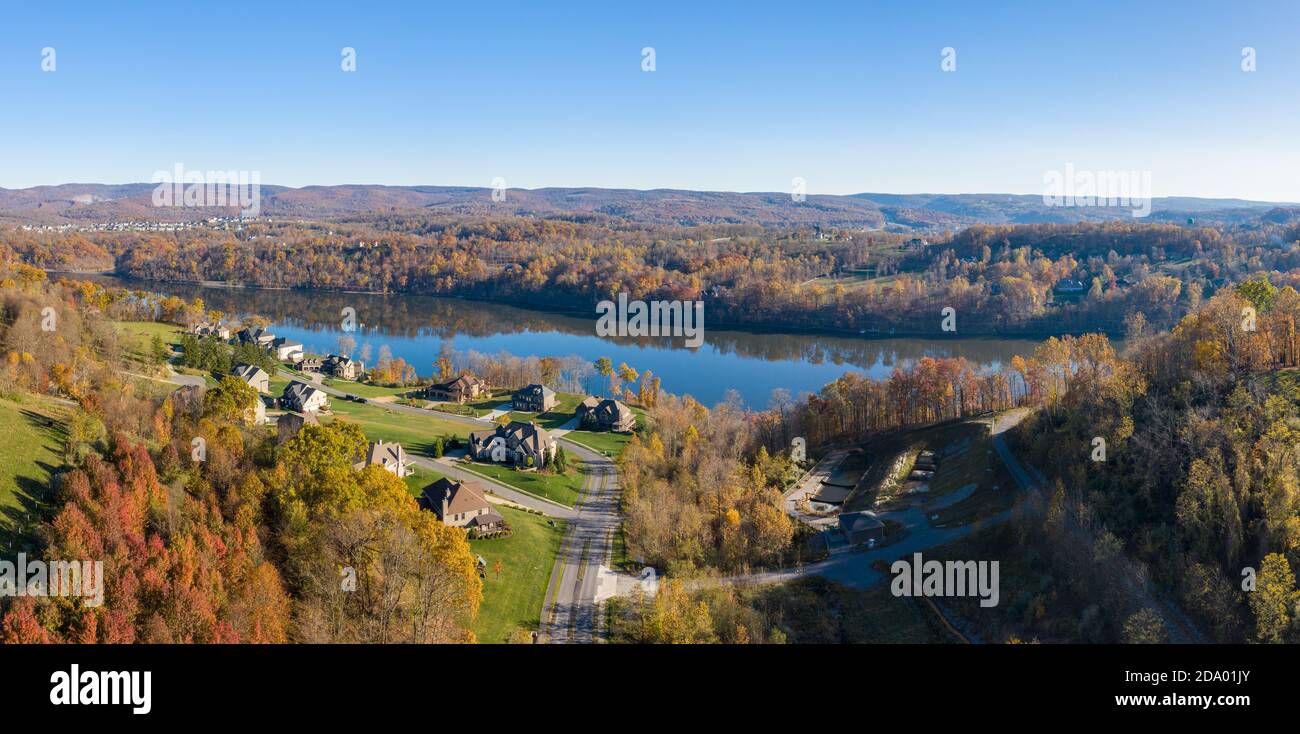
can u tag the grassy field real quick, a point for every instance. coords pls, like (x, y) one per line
(515, 600)
(363, 389)
(138, 337)
(414, 432)
(565, 404)
(609, 444)
(419, 478)
(31, 448)
(563, 488)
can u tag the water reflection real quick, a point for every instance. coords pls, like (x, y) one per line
(413, 327)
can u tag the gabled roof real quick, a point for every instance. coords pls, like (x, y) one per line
(300, 391)
(529, 435)
(466, 381)
(460, 496)
(385, 454)
(535, 391)
(248, 372)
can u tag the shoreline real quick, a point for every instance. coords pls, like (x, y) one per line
(744, 327)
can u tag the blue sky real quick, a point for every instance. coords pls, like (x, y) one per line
(745, 96)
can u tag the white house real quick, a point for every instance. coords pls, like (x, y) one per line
(303, 398)
(287, 350)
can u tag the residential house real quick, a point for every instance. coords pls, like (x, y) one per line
(390, 456)
(344, 368)
(308, 364)
(303, 398)
(594, 414)
(463, 389)
(260, 337)
(462, 505)
(533, 399)
(517, 443)
(288, 425)
(287, 350)
(861, 528)
(1068, 287)
(255, 376)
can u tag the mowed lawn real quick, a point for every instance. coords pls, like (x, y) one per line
(31, 447)
(414, 432)
(563, 488)
(515, 600)
(420, 478)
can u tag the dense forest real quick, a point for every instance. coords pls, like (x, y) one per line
(243, 543)
(999, 279)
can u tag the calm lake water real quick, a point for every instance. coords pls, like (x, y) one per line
(414, 327)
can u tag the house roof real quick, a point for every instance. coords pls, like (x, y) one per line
(535, 391)
(855, 522)
(385, 454)
(464, 382)
(248, 372)
(297, 420)
(527, 434)
(460, 496)
(491, 517)
(300, 391)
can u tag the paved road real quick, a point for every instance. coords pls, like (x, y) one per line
(571, 613)
(531, 501)
(853, 568)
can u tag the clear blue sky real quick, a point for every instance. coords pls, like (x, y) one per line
(746, 95)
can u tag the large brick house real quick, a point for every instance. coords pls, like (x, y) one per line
(594, 414)
(533, 399)
(344, 368)
(462, 505)
(517, 443)
(463, 389)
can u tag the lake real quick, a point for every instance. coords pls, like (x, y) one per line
(413, 327)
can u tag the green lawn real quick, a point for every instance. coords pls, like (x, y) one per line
(421, 478)
(31, 447)
(414, 432)
(138, 336)
(516, 598)
(363, 389)
(563, 488)
(609, 444)
(565, 404)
